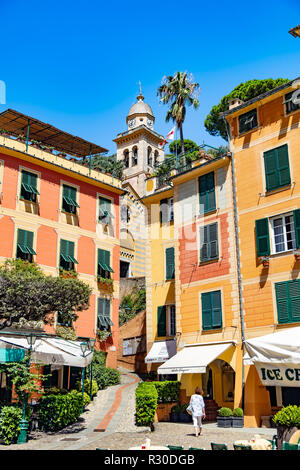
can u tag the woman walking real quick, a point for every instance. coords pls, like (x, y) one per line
(197, 407)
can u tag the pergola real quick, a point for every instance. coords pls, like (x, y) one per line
(295, 31)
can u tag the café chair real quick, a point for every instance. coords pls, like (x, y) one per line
(196, 448)
(241, 447)
(288, 446)
(215, 446)
(175, 447)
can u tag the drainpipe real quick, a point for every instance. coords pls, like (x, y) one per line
(236, 230)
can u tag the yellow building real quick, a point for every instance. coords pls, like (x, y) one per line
(264, 141)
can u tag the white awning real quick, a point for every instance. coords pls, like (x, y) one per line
(277, 357)
(193, 359)
(47, 350)
(161, 351)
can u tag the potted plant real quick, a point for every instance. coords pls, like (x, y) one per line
(21, 138)
(266, 261)
(4, 132)
(35, 143)
(105, 282)
(287, 422)
(62, 154)
(184, 417)
(103, 334)
(68, 274)
(237, 418)
(174, 414)
(224, 418)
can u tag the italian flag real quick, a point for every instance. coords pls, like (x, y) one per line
(169, 136)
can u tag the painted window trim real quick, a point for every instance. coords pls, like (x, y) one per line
(22, 168)
(72, 185)
(212, 209)
(272, 234)
(209, 260)
(105, 318)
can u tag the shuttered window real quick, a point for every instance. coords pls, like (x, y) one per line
(209, 242)
(69, 202)
(104, 268)
(211, 310)
(297, 227)
(248, 121)
(103, 317)
(262, 237)
(29, 190)
(207, 197)
(288, 301)
(67, 260)
(161, 321)
(289, 105)
(170, 263)
(105, 212)
(25, 245)
(277, 169)
(166, 210)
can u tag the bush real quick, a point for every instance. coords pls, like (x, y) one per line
(106, 376)
(238, 412)
(224, 411)
(86, 399)
(146, 402)
(10, 417)
(58, 411)
(87, 386)
(168, 390)
(55, 391)
(288, 416)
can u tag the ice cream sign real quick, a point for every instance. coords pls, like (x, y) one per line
(279, 375)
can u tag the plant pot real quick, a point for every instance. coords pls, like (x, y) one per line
(237, 421)
(284, 433)
(224, 421)
(184, 417)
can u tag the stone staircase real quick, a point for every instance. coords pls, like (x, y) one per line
(211, 408)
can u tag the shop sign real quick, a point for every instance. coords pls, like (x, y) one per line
(279, 375)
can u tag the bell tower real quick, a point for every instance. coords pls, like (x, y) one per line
(138, 147)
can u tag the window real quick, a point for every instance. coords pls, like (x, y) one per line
(126, 158)
(161, 321)
(149, 158)
(207, 197)
(277, 168)
(289, 105)
(61, 321)
(211, 310)
(29, 190)
(103, 318)
(25, 249)
(209, 242)
(170, 263)
(166, 210)
(125, 214)
(105, 212)
(285, 233)
(248, 121)
(104, 268)
(172, 320)
(134, 345)
(69, 198)
(288, 301)
(156, 155)
(135, 156)
(66, 258)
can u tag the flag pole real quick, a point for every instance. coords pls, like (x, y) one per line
(176, 147)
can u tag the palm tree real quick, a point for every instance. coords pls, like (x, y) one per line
(179, 90)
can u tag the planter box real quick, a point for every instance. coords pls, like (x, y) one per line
(224, 421)
(184, 417)
(237, 422)
(163, 412)
(174, 417)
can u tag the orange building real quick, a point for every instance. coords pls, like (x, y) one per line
(264, 140)
(62, 215)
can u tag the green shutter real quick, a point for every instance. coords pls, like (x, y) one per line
(207, 197)
(211, 310)
(104, 261)
(69, 202)
(294, 298)
(262, 237)
(29, 186)
(209, 242)
(161, 321)
(25, 243)
(277, 168)
(67, 254)
(103, 317)
(297, 227)
(170, 263)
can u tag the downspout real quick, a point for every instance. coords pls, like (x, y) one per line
(237, 246)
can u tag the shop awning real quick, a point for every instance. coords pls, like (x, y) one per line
(47, 350)
(193, 359)
(277, 357)
(161, 351)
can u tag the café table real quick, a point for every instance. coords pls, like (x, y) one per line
(149, 448)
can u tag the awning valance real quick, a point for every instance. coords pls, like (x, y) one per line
(276, 357)
(161, 351)
(47, 350)
(193, 359)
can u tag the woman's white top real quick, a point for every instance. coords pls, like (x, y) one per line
(197, 405)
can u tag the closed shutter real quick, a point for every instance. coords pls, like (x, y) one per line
(211, 310)
(170, 263)
(262, 237)
(207, 198)
(277, 168)
(206, 311)
(216, 309)
(161, 321)
(294, 299)
(209, 242)
(297, 227)
(283, 166)
(288, 301)
(270, 170)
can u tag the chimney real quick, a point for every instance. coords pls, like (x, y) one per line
(234, 103)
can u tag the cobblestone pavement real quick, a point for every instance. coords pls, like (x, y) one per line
(122, 433)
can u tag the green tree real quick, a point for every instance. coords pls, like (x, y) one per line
(178, 91)
(26, 293)
(131, 305)
(215, 124)
(107, 164)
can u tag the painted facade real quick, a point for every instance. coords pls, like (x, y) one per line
(264, 140)
(48, 225)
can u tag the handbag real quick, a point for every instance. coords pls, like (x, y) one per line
(189, 410)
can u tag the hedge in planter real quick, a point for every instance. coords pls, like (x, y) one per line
(146, 402)
(168, 390)
(224, 418)
(287, 421)
(10, 417)
(58, 411)
(237, 418)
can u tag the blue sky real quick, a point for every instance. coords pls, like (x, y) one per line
(77, 65)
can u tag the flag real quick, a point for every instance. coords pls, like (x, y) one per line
(169, 136)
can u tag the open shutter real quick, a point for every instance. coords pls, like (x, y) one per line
(216, 309)
(297, 227)
(206, 311)
(262, 237)
(107, 261)
(161, 321)
(281, 289)
(170, 263)
(29, 244)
